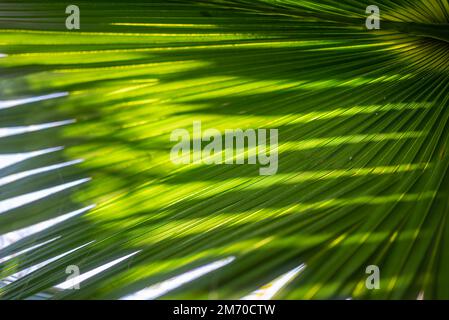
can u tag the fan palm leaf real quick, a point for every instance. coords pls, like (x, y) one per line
(363, 149)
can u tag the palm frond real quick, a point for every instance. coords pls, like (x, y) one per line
(363, 132)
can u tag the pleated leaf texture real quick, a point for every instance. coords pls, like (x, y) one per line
(87, 184)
